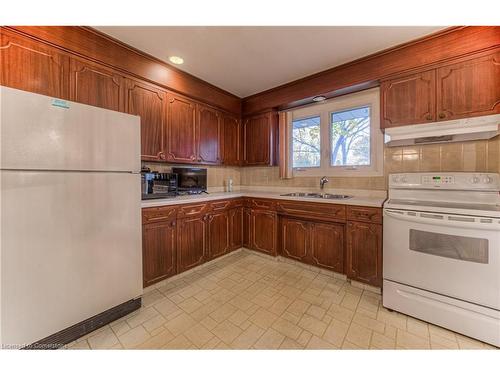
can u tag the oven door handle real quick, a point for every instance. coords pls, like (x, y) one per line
(443, 219)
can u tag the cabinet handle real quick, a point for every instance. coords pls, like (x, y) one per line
(173, 224)
(429, 117)
(442, 115)
(162, 155)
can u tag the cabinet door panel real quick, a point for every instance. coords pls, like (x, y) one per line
(409, 100)
(209, 135)
(247, 228)
(181, 130)
(158, 252)
(327, 246)
(264, 231)
(231, 144)
(97, 86)
(260, 139)
(295, 239)
(32, 66)
(191, 243)
(236, 227)
(148, 102)
(218, 234)
(364, 252)
(469, 88)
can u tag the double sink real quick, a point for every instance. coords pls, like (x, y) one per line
(317, 195)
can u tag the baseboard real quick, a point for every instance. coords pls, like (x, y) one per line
(78, 330)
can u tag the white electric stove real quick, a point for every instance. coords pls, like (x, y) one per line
(442, 250)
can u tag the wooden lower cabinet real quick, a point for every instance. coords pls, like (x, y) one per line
(247, 213)
(263, 231)
(158, 251)
(191, 242)
(236, 228)
(364, 252)
(218, 233)
(327, 246)
(315, 243)
(295, 239)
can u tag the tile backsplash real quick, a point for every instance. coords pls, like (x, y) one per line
(474, 156)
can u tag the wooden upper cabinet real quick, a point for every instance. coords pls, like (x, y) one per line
(231, 140)
(33, 66)
(181, 129)
(409, 100)
(364, 252)
(208, 130)
(469, 88)
(260, 143)
(95, 85)
(148, 102)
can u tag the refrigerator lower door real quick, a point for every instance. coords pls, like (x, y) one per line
(70, 249)
(40, 132)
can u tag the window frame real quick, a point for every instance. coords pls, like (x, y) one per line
(367, 98)
(320, 140)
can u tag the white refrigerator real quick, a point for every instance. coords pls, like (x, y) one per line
(70, 226)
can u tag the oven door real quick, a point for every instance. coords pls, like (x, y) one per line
(453, 255)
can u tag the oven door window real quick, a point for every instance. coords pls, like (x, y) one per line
(467, 249)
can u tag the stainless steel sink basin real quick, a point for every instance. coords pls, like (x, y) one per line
(317, 195)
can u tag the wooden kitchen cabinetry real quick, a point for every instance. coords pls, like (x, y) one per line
(219, 232)
(231, 140)
(364, 252)
(260, 139)
(192, 247)
(467, 87)
(236, 227)
(95, 85)
(208, 135)
(263, 231)
(409, 100)
(31, 66)
(159, 244)
(181, 129)
(148, 102)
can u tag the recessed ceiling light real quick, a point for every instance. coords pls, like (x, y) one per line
(319, 98)
(176, 60)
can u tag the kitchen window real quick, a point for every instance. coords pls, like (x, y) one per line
(338, 137)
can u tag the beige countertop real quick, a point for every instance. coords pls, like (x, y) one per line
(365, 198)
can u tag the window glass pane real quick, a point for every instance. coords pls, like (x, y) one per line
(350, 137)
(306, 142)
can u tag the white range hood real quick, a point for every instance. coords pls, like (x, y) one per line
(474, 128)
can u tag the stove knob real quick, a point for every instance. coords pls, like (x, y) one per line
(395, 179)
(474, 180)
(487, 180)
(404, 180)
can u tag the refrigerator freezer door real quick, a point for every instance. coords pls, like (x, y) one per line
(38, 132)
(70, 249)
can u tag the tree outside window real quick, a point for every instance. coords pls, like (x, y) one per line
(306, 142)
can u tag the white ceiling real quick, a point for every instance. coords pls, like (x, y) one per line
(247, 60)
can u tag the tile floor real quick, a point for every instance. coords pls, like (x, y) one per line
(249, 301)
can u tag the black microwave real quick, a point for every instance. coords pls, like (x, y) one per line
(191, 180)
(158, 185)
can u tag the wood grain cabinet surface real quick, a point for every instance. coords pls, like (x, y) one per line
(181, 129)
(260, 139)
(192, 249)
(208, 135)
(219, 234)
(97, 86)
(264, 231)
(231, 140)
(32, 66)
(468, 87)
(159, 244)
(364, 252)
(148, 102)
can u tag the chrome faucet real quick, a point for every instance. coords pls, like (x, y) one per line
(323, 180)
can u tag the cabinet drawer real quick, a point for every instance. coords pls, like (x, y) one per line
(322, 211)
(220, 205)
(189, 210)
(371, 214)
(262, 204)
(158, 214)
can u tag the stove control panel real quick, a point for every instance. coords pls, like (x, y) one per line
(451, 181)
